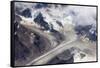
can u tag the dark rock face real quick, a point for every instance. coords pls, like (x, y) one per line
(21, 51)
(58, 61)
(62, 58)
(65, 55)
(26, 13)
(92, 36)
(40, 21)
(40, 5)
(59, 23)
(59, 37)
(15, 26)
(17, 9)
(17, 18)
(82, 55)
(85, 30)
(41, 43)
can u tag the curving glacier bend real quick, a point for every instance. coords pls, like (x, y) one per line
(54, 34)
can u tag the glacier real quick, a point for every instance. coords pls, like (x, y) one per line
(54, 33)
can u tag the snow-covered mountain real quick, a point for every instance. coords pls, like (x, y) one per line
(58, 24)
